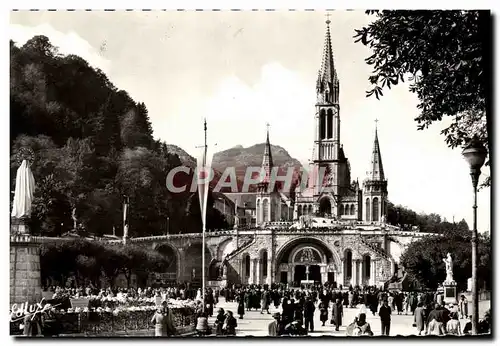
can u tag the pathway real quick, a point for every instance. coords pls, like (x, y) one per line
(256, 324)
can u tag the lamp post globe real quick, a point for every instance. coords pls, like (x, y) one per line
(475, 155)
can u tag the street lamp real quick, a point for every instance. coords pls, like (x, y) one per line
(475, 154)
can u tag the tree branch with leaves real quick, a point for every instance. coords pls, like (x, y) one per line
(444, 56)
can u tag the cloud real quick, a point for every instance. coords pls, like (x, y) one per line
(238, 112)
(67, 43)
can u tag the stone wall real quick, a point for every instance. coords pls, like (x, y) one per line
(25, 279)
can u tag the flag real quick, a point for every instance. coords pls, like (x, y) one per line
(203, 179)
(125, 219)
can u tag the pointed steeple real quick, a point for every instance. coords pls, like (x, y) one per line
(328, 83)
(376, 167)
(267, 160)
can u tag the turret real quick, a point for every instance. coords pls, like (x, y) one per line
(375, 187)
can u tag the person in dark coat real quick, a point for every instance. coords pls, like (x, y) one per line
(219, 322)
(248, 300)
(440, 314)
(286, 318)
(295, 329)
(256, 299)
(265, 300)
(309, 314)
(413, 303)
(276, 328)
(276, 299)
(385, 318)
(337, 314)
(373, 303)
(209, 299)
(230, 324)
(419, 318)
(32, 325)
(241, 306)
(298, 314)
(323, 312)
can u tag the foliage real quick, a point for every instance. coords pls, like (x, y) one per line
(429, 223)
(93, 144)
(423, 259)
(88, 261)
(444, 54)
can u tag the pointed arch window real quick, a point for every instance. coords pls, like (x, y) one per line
(258, 211)
(352, 209)
(329, 124)
(264, 263)
(367, 209)
(375, 207)
(322, 125)
(341, 210)
(247, 266)
(348, 263)
(265, 212)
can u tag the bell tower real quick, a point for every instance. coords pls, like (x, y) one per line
(375, 187)
(326, 152)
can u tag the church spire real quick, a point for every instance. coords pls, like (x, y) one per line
(377, 169)
(328, 84)
(267, 160)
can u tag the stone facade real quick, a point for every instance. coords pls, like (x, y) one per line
(345, 255)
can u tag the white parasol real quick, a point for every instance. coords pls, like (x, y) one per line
(25, 188)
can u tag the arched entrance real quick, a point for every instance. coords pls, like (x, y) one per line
(306, 262)
(325, 207)
(193, 264)
(307, 259)
(168, 272)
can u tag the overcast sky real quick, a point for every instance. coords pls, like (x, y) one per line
(243, 69)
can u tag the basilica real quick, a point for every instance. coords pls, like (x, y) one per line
(331, 229)
(328, 190)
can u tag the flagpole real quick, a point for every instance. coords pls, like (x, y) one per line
(204, 226)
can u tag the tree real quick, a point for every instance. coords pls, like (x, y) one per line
(92, 142)
(89, 261)
(136, 129)
(445, 56)
(430, 223)
(423, 259)
(76, 169)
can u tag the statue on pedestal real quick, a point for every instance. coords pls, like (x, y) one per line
(449, 268)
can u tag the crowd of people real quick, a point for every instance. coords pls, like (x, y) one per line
(297, 306)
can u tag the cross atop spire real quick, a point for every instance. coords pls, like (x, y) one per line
(328, 18)
(267, 160)
(328, 84)
(376, 167)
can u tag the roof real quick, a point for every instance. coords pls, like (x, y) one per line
(327, 74)
(267, 160)
(222, 196)
(376, 168)
(243, 199)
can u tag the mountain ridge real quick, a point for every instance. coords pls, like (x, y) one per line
(241, 158)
